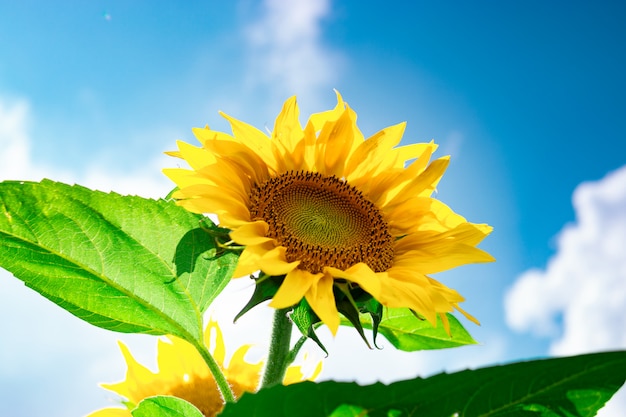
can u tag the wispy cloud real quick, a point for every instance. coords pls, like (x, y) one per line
(286, 48)
(15, 147)
(17, 163)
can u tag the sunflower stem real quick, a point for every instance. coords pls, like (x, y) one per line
(216, 371)
(278, 359)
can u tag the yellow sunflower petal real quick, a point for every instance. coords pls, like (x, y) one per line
(445, 322)
(252, 233)
(194, 205)
(207, 189)
(288, 138)
(316, 372)
(403, 214)
(406, 288)
(242, 161)
(295, 285)
(228, 220)
(455, 255)
(204, 134)
(213, 202)
(246, 374)
(414, 151)
(433, 215)
(334, 142)
(391, 185)
(422, 158)
(318, 120)
(467, 315)
(230, 177)
(373, 155)
(196, 157)
(445, 216)
(296, 374)
(356, 132)
(176, 355)
(138, 378)
(214, 340)
(306, 149)
(424, 184)
(186, 178)
(248, 262)
(175, 154)
(253, 138)
(111, 412)
(275, 262)
(293, 375)
(321, 299)
(435, 252)
(360, 274)
(266, 258)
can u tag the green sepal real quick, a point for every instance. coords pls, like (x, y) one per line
(306, 320)
(221, 238)
(348, 307)
(169, 195)
(265, 288)
(355, 304)
(369, 305)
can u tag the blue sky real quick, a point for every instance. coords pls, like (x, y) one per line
(528, 98)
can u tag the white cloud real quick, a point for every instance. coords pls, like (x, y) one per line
(585, 281)
(146, 181)
(286, 48)
(16, 161)
(14, 142)
(579, 300)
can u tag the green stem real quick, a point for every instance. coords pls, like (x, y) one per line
(277, 361)
(220, 379)
(295, 350)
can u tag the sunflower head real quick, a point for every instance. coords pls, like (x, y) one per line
(329, 215)
(183, 373)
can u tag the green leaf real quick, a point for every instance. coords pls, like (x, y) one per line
(165, 406)
(123, 263)
(565, 387)
(409, 333)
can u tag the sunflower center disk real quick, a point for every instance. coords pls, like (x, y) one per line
(322, 221)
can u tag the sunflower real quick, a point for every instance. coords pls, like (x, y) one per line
(183, 373)
(322, 206)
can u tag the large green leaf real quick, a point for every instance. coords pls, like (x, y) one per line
(123, 263)
(165, 406)
(568, 387)
(409, 333)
